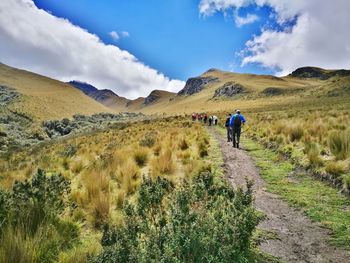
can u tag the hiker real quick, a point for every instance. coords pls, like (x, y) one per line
(228, 128)
(193, 117)
(205, 118)
(210, 120)
(236, 123)
(215, 120)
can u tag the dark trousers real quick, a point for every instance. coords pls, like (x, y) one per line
(236, 134)
(229, 134)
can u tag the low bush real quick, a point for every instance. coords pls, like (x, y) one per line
(200, 221)
(148, 141)
(31, 229)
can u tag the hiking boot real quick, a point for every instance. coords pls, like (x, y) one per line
(237, 145)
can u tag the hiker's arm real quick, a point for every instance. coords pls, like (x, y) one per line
(243, 120)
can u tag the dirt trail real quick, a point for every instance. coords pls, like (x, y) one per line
(298, 238)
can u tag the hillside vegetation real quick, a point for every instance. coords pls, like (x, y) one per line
(110, 193)
(217, 90)
(42, 98)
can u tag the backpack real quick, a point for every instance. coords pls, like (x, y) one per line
(237, 121)
(227, 123)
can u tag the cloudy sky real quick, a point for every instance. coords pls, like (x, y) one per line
(134, 47)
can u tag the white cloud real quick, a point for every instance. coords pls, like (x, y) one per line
(319, 37)
(114, 35)
(125, 34)
(38, 41)
(248, 19)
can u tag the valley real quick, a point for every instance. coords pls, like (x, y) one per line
(136, 174)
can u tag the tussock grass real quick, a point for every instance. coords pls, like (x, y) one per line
(163, 164)
(141, 156)
(101, 209)
(339, 144)
(105, 168)
(17, 246)
(311, 137)
(336, 168)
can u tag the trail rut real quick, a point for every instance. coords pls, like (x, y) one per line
(298, 238)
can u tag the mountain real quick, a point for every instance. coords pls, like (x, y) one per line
(315, 72)
(157, 98)
(216, 90)
(83, 86)
(105, 96)
(43, 98)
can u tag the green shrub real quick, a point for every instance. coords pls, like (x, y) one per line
(31, 229)
(148, 141)
(199, 221)
(42, 198)
(339, 144)
(69, 151)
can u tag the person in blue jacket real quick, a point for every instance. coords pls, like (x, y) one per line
(236, 123)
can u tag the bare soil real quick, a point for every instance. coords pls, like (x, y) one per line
(298, 239)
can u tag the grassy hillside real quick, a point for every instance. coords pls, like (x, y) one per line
(258, 91)
(106, 97)
(110, 183)
(157, 98)
(43, 98)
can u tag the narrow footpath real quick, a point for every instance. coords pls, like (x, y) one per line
(298, 239)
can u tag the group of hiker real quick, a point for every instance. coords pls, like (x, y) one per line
(233, 126)
(203, 117)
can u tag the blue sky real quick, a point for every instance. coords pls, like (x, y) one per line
(168, 41)
(170, 36)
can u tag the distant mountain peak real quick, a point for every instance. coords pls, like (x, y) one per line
(105, 96)
(320, 73)
(83, 86)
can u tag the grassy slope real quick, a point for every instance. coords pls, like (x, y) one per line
(116, 103)
(45, 98)
(255, 84)
(162, 102)
(320, 201)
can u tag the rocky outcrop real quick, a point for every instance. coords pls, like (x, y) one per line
(229, 89)
(313, 72)
(151, 98)
(195, 85)
(104, 96)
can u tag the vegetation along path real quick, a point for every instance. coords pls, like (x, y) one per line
(296, 237)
